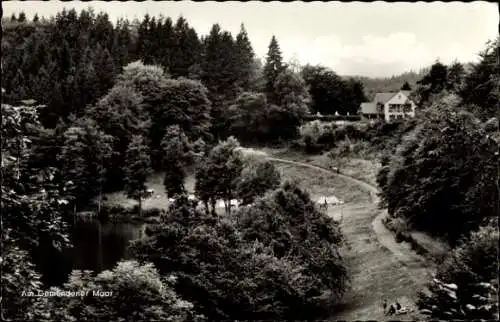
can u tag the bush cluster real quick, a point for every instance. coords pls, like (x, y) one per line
(122, 214)
(379, 136)
(441, 178)
(261, 263)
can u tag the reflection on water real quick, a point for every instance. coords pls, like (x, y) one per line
(97, 247)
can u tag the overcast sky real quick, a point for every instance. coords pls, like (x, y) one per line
(370, 39)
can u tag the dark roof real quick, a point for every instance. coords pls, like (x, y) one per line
(380, 98)
(383, 97)
(407, 93)
(368, 108)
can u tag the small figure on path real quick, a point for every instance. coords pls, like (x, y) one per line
(323, 206)
(392, 310)
(384, 305)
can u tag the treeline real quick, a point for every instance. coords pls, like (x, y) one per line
(276, 258)
(97, 96)
(442, 177)
(71, 60)
(104, 120)
(374, 85)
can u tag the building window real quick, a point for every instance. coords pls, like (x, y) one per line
(392, 117)
(407, 108)
(396, 108)
(399, 117)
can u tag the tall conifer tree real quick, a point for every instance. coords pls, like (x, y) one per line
(273, 67)
(245, 59)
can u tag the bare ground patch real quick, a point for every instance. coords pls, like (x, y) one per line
(323, 184)
(159, 199)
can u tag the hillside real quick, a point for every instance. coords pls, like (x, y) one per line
(373, 85)
(388, 84)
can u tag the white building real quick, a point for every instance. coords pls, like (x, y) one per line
(389, 106)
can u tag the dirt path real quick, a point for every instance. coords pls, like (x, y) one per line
(385, 237)
(380, 267)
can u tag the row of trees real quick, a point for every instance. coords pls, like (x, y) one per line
(71, 60)
(293, 270)
(442, 177)
(263, 263)
(109, 121)
(452, 138)
(475, 84)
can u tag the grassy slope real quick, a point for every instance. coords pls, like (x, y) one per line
(365, 169)
(377, 273)
(154, 182)
(356, 167)
(321, 184)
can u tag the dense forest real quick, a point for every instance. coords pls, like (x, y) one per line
(90, 107)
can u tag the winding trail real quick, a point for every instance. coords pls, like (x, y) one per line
(381, 267)
(385, 237)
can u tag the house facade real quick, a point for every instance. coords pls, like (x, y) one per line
(389, 106)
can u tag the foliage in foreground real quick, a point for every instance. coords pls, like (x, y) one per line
(135, 292)
(443, 172)
(230, 273)
(466, 284)
(32, 214)
(288, 222)
(18, 269)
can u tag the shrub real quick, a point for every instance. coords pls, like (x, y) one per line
(470, 266)
(256, 178)
(134, 292)
(327, 140)
(441, 302)
(474, 260)
(15, 305)
(231, 277)
(441, 178)
(122, 214)
(288, 222)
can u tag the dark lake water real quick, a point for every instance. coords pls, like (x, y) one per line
(97, 246)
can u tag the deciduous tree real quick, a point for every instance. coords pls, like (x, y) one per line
(248, 117)
(141, 284)
(137, 169)
(481, 85)
(461, 185)
(121, 115)
(257, 177)
(218, 176)
(177, 155)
